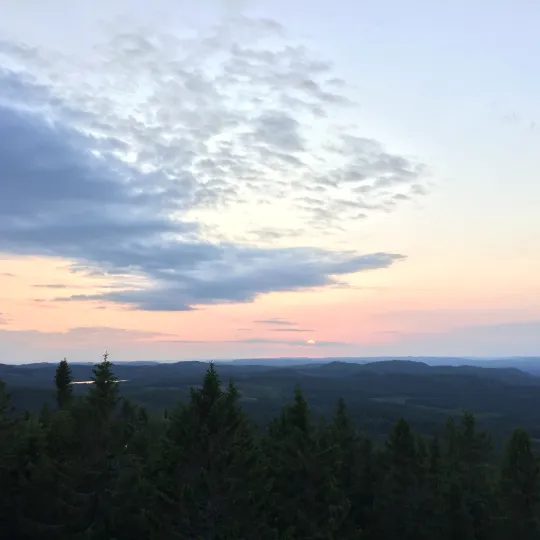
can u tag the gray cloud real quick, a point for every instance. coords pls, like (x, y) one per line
(50, 286)
(227, 118)
(270, 234)
(278, 130)
(99, 332)
(110, 177)
(38, 343)
(292, 330)
(232, 274)
(275, 321)
(102, 213)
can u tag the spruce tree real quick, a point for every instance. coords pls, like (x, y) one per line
(304, 468)
(8, 461)
(398, 489)
(210, 476)
(103, 395)
(475, 450)
(64, 384)
(99, 443)
(466, 492)
(519, 489)
(354, 469)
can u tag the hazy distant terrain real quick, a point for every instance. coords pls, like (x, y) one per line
(377, 392)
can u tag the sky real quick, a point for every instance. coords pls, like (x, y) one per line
(242, 179)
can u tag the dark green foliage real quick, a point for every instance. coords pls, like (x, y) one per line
(377, 393)
(64, 384)
(304, 464)
(103, 395)
(398, 491)
(355, 470)
(211, 480)
(99, 467)
(519, 489)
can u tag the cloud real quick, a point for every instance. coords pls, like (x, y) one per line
(292, 330)
(81, 344)
(115, 162)
(265, 341)
(296, 343)
(275, 320)
(100, 335)
(98, 211)
(88, 344)
(228, 117)
(3, 319)
(232, 274)
(283, 325)
(50, 286)
(107, 332)
(271, 234)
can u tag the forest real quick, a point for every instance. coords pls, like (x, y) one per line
(377, 393)
(96, 465)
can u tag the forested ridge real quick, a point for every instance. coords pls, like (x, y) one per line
(99, 467)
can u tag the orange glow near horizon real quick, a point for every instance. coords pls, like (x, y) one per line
(375, 316)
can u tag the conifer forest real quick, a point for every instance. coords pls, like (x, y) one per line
(97, 466)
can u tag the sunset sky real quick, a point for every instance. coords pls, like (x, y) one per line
(260, 179)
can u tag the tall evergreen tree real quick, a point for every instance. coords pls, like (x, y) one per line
(398, 490)
(7, 466)
(211, 480)
(475, 453)
(466, 503)
(99, 444)
(519, 489)
(304, 466)
(355, 469)
(103, 395)
(64, 384)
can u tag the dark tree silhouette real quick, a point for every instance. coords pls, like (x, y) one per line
(64, 384)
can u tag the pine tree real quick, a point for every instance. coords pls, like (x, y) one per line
(132, 492)
(434, 488)
(72, 493)
(354, 464)
(37, 515)
(99, 445)
(475, 450)
(103, 396)
(64, 384)
(398, 490)
(519, 489)
(210, 476)
(305, 469)
(8, 463)
(27, 501)
(466, 491)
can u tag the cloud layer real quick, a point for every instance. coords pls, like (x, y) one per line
(121, 163)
